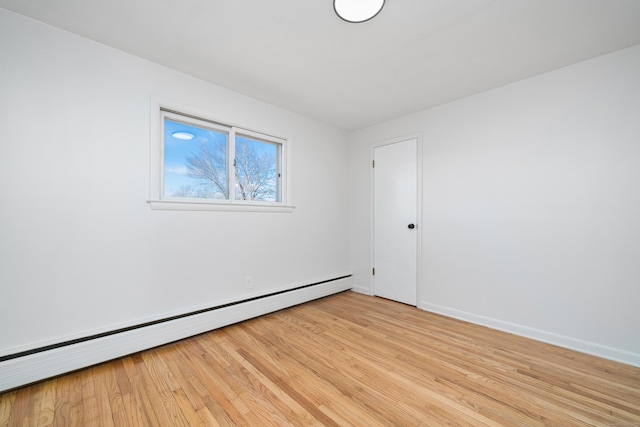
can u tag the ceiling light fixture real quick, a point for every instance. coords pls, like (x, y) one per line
(185, 136)
(356, 11)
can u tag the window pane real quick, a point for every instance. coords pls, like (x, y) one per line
(195, 162)
(257, 170)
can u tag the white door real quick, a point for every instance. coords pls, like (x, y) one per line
(395, 215)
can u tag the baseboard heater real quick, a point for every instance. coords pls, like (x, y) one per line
(30, 366)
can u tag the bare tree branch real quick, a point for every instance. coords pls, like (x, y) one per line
(209, 165)
(255, 171)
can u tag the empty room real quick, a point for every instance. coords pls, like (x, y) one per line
(339, 213)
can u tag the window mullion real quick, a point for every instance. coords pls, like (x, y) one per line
(231, 164)
(279, 182)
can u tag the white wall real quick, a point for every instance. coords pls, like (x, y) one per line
(80, 249)
(531, 206)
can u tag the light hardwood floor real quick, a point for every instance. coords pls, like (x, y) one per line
(348, 359)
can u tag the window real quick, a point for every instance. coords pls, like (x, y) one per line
(257, 169)
(205, 165)
(194, 159)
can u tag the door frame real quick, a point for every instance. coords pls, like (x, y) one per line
(419, 225)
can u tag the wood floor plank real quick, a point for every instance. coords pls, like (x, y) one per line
(75, 416)
(62, 409)
(305, 412)
(184, 404)
(162, 400)
(357, 378)
(106, 394)
(208, 375)
(126, 376)
(323, 362)
(389, 360)
(314, 384)
(48, 403)
(90, 413)
(7, 406)
(19, 416)
(347, 360)
(141, 391)
(35, 399)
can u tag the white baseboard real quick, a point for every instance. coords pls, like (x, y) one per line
(361, 289)
(38, 366)
(587, 347)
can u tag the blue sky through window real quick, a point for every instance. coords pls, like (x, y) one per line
(195, 160)
(177, 181)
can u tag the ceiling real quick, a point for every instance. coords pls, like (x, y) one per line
(297, 54)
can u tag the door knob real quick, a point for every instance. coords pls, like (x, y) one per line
(411, 226)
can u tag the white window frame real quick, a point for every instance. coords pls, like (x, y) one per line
(157, 201)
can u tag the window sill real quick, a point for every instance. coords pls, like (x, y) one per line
(173, 205)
